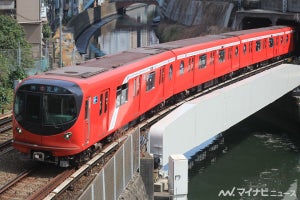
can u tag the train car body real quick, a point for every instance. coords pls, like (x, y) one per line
(64, 114)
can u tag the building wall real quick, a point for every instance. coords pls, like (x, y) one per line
(28, 16)
(28, 11)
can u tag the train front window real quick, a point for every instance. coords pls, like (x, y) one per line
(28, 107)
(45, 105)
(58, 109)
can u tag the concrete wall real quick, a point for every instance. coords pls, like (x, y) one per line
(190, 12)
(90, 16)
(277, 5)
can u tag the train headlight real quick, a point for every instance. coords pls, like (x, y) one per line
(19, 131)
(67, 135)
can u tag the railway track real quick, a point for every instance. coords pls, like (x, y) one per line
(5, 123)
(70, 183)
(5, 134)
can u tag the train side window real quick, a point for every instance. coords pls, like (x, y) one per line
(245, 48)
(202, 61)
(221, 55)
(101, 104)
(181, 68)
(271, 42)
(236, 51)
(122, 94)
(170, 72)
(258, 45)
(150, 81)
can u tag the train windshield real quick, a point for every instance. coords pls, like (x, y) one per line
(43, 107)
(48, 109)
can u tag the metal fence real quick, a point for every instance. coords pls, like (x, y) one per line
(18, 58)
(116, 174)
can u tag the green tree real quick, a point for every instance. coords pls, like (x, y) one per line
(11, 34)
(15, 56)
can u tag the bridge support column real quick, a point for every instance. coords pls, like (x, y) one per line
(296, 95)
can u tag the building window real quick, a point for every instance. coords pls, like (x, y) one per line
(150, 81)
(122, 94)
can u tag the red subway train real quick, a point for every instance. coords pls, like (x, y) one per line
(63, 115)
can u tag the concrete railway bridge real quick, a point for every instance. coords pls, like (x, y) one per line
(198, 121)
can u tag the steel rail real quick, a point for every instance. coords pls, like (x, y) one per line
(15, 180)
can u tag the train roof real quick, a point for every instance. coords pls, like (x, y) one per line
(105, 63)
(190, 42)
(252, 31)
(110, 62)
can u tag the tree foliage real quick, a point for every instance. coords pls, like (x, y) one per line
(12, 35)
(15, 56)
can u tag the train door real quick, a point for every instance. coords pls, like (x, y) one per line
(103, 111)
(135, 108)
(87, 118)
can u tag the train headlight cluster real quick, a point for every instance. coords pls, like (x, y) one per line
(19, 131)
(67, 135)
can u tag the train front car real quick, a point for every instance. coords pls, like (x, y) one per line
(45, 113)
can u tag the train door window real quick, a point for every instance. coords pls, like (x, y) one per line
(106, 102)
(150, 81)
(287, 39)
(87, 110)
(191, 64)
(281, 39)
(161, 75)
(271, 42)
(258, 45)
(202, 61)
(136, 86)
(250, 47)
(212, 58)
(122, 94)
(236, 51)
(245, 48)
(221, 55)
(181, 68)
(101, 104)
(229, 53)
(170, 72)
